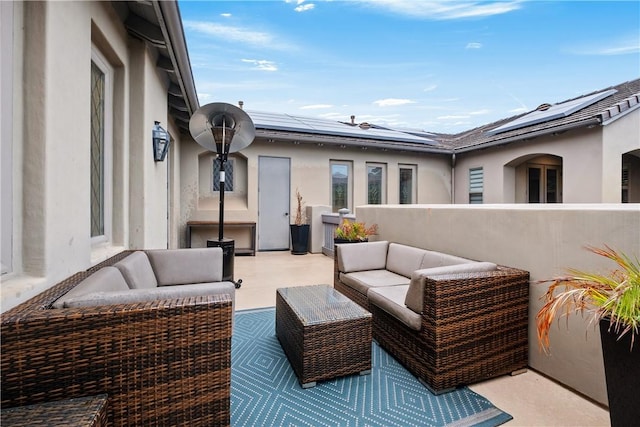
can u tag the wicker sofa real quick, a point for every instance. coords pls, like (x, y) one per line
(450, 320)
(162, 359)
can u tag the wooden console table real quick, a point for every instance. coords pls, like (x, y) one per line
(251, 250)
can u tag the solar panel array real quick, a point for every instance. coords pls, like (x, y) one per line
(287, 122)
(553, 112)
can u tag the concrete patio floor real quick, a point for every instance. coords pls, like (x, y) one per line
(531, 398)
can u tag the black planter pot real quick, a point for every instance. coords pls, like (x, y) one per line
(299, 239)
(622, 372)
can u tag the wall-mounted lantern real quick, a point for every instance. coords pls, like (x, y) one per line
(161, 141)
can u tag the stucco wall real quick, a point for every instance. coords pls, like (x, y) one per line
(542, 239)
(310, 173)
(51, 165)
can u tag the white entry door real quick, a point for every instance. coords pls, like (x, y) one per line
(274, 183)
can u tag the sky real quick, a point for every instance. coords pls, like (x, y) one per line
(438, 66)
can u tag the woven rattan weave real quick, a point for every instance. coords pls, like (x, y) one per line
(324, 334)
(82, 412)
(164, 363)
(474, 327)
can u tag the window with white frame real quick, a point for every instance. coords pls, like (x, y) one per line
(376, 183)
(101, 147)
(476, 185)
(407, 191)
(341, 185)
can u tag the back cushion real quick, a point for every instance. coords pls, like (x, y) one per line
(182, 266)
(404, 260)
(415, 294)
(362, 256)
(104, 280)
(137, 271)
(438, 259)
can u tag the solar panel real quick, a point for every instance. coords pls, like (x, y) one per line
(287, 122)
(552, 112)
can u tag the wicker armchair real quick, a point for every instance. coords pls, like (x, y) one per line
(161, 363)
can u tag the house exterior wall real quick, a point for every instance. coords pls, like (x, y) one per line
(619, 137)
(542, 239)
(51, 57)
(590, 158)
(310, 173)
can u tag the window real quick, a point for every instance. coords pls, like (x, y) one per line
(101, 147)
(544, 183)
(625, 184)
(476, 185)
(228, 174)
(341, 185)
(407, 192)
(376, 184)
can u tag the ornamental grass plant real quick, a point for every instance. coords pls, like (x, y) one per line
(613, 297)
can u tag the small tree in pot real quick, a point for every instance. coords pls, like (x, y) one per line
(612, 301)
(299, 229)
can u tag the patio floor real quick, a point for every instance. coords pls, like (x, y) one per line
(531, 398)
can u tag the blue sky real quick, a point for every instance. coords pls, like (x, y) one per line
(440, 66)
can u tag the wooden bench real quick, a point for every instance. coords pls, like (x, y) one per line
(251, 250)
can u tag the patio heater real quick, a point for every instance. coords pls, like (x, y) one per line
(222, 128)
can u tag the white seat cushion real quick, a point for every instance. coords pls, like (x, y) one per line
(180, 266)
(137, 271)
(104, 280)
(403, 259)
(362, 256)
(391, 299)
(362, 281)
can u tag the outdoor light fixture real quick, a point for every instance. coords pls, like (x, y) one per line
(161, 141)
(222, 128)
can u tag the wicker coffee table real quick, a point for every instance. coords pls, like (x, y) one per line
(323, 333)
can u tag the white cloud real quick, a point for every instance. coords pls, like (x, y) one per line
(262, 64)
(392, 102)
(445, 9)
(305, 7)
(474, 45)
(226, 15)
(231, 33)
(316, 107)
(430, 88)
(479, 112)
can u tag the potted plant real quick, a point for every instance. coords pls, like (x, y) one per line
(613, 301)
(299, 229)
(352, 231)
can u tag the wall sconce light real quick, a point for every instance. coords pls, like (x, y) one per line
(161, 141)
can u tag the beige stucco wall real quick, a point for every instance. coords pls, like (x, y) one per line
(591, 163)
(51, 163)
(310, 173)
(619, 137)
(542, 239)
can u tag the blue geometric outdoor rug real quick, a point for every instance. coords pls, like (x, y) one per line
(265, 391)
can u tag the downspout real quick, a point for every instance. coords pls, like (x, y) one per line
(453, 178)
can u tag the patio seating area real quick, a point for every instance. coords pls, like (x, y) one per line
(531, 398)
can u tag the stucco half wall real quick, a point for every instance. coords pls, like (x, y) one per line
(543, 239)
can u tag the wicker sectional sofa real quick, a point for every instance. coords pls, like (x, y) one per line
(451, 321)
(160, 350)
